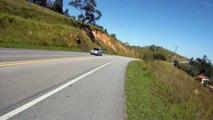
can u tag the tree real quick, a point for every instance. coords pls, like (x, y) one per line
(113, 35)
(58, 6)
(205, 58)
(191, 61)
(99, 14)
(73, 17)
(89, 13)
(43, 3)
(106, 30)
(176, 63)
(39, 2)
(153, 48)
(201, 66)
(49, 4)
(81, 17)
(206, 66)
(66, 12)
(127, 44)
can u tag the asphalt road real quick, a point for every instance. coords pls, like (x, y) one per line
(7, 54)
(61, 85)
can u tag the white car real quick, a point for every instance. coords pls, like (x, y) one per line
(96, 51)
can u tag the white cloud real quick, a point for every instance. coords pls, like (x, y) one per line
(209, 4)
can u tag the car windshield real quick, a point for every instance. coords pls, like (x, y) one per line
(96, 49)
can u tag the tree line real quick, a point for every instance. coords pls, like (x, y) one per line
(88, 9)
(197, 66)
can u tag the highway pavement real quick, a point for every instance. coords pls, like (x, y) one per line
(54, 85)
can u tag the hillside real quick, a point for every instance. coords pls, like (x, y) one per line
(26, 25)
(149, 51)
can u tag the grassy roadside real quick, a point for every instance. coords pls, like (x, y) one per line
(22, 33)
(159, 91)
(20, 46)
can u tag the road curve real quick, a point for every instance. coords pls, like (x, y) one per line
(98, 95)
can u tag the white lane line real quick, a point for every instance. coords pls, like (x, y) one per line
(37, 100)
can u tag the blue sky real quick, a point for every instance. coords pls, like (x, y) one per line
(187, 24)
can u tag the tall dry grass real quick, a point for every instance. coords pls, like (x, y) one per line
(184, 97)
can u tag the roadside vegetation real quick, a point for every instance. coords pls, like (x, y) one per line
(26, 25)
(199, 66)
(158, 90)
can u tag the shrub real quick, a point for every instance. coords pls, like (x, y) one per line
(186, 68)
(148, 57)
(176, 62)
(159, 56)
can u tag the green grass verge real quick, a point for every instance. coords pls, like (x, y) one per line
(159, 91)
(2, 45)
(17, 32)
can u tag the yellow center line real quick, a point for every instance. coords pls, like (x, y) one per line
(2, 64)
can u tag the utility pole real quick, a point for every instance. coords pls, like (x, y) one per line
(176, 47)
(173, 56)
